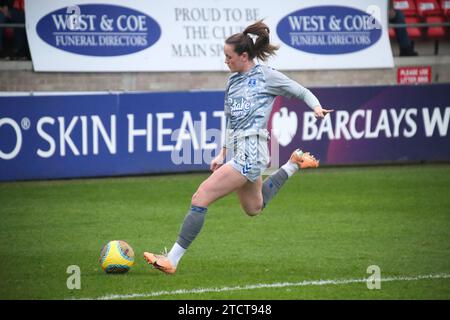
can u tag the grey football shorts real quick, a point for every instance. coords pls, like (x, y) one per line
(251, 156)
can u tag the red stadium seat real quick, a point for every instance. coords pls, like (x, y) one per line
(408, 7)
(427, 8)
(438, 31)
(391, 33)
(430, 12)
(445, 6)
(413, 32)
(8, 33)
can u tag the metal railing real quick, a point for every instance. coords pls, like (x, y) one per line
(419, 24)
(391, 25)
(12, 25)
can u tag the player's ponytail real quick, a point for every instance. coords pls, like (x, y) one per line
(254, 40)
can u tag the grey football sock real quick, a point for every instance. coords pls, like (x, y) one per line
(193, 223)
(272, 184)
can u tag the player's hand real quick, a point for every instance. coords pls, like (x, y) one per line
(320, 112)
(215, 164)
(217, 161)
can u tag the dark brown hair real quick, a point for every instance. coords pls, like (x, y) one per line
(260, 48)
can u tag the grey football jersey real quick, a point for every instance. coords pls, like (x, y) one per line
(249, 100)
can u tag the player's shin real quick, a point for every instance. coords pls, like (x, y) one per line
(273, 184)
(192, 224)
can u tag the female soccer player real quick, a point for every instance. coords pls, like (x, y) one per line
(249, 98)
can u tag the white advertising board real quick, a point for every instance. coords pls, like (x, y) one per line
(178, 35)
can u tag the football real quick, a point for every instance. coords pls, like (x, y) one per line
(116, 256)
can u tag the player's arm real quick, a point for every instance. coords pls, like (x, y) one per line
(310, 99)
(320, 112)
(281, 85)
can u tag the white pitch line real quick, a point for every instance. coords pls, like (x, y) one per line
(266, 285)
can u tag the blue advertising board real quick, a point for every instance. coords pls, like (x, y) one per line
(65, 136)
(370, 125)
(91, 135)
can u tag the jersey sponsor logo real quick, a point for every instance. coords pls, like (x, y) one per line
(239, 106)
(330, 30)
(284, 126)
(98, 30)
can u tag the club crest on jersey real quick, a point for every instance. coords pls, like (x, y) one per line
(251, 83)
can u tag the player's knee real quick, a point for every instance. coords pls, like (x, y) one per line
(253, 211)
(195, 198)
(198, 198)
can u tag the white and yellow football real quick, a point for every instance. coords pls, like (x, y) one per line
(116, 256)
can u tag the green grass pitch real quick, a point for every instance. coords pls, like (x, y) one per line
(326, 223)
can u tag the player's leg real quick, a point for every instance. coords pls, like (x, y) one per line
(274, 182)
(222, 182)
(250, 197)
(254, 196)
